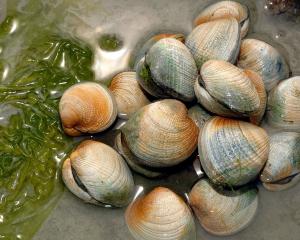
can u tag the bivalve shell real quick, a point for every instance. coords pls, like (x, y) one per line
(232, 152)
(161, 214)
(218, 39)
(264, 59)
(222, 212)
(97, 174)
(87, 108)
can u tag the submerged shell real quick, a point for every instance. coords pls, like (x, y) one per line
(128, 94)
(173, 70)
(199, 115)
(225, 9)
(161, 214)
(284, 105)
(283, 166)
(232, 152)
(87, 108)
(230, 86)
(161, 134)
(97, 174)
(257, 116)
(223, 213)
(218, 39)
(264, 59)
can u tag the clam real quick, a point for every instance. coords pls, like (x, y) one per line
(222, 212)
(161, 214)
(128, 94)
(229, 86)
(223, 9)
(232, 152)
(283, 109)
(199, 115)
(168, 70)
(219, 39)
(87, 108)
(145, 48)
(161, 134)
(282, 169)
(264, 59)
(97, 174)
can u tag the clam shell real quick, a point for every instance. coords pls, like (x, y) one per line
(282, 169)
(283, 109)
(87, 108)
(199, 115)
(230, 86)
(97, 174)
(173, 69)
(264, 59)
(223, 9)
(133, 161)
(256, 79)
(223, 213)
(218, 39)
(161, 134)
(232, 152)
(128, 94)
(211, 104)
(161, 214)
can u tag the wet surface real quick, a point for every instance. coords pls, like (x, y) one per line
(134, 22)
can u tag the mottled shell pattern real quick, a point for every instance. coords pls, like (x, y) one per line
(219, 39)
(264, 59)
(225, 9)
(161, 214)
(161, 134)
(232, 152)
(128, 94)
(199, 115)
(87, 108)
(283, 109)
(282, 169)
(222, 212)
(172, 68)
(97, 174)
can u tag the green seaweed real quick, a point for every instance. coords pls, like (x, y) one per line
(33, 144)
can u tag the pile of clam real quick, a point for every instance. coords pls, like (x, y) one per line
(236, 82)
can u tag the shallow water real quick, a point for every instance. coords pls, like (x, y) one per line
(134, 21)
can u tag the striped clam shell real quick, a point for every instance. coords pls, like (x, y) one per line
(223, 9)
(232, 152)
(173, 70)
(230, 86)
(97, 174)
(128, 94)
(264, 59)
(282, 169)
(221, 212)
(87, 108)
(218, 39)
(161, 134)
(161, 214)
(283, 108)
